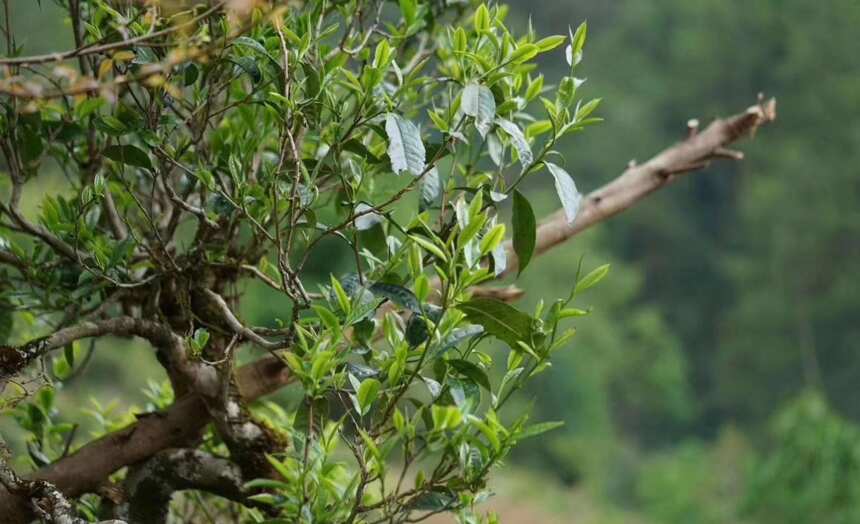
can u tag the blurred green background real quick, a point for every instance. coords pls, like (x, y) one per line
(716, 380)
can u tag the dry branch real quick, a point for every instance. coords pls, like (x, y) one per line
(638, 181)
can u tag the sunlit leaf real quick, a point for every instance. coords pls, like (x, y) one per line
(478, 102)
(405, 148)
(566, 190)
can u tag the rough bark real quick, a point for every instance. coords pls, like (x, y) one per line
(150, 486)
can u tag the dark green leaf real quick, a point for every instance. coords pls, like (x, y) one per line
(432, 501)
(397, 294)
(499, 319)
(471, 371)
(525, 227)
(250, 67)
(130, 155)
(431, 188)
(191, 73)
(416, 330)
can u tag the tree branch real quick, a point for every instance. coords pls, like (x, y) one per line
(85, 469)
(639, 181)
(150, 486)
(42, 498)
(14, 359)
(235, 324)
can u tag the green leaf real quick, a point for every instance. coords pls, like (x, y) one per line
(250, 67)
(431, 188)
(128, 154)
(405, 148)
(538, 429)
(518, 139)
(367, 393)
(573, 53)
(549, 43)
(328, 318)
(416, 330)
(430, 246)
(446, 417)
(492, 239)
(490, 433)
(592, 278)
(397, 294)
(340, 294)
(524, 53)
(471, 371)
(409, 9)
(478, 102)
(525, 228)
(501, 320)
(482, 19)
(566, 190)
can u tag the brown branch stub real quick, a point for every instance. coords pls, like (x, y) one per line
(505, 294)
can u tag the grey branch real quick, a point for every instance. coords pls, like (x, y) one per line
(240, 329)
(151, 485)
(14, 359)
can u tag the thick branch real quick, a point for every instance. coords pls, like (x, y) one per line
(11, 260)
(150, 486)
(86, 469)
(42, 498)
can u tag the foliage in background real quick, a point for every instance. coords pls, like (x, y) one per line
(760, 303)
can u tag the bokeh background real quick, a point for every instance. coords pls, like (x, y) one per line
(717, 379)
